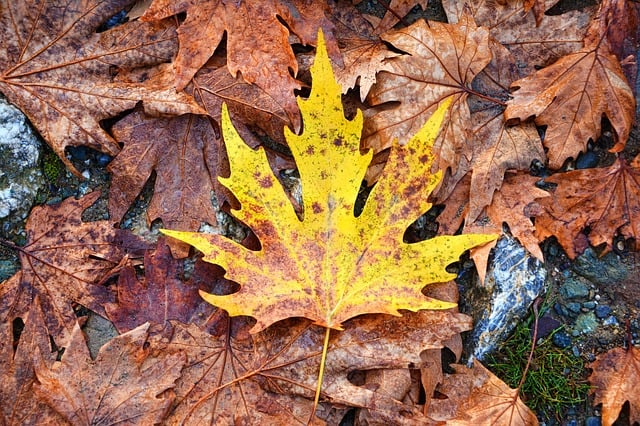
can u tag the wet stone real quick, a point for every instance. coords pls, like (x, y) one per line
(593, 421)
(561, 339)
(600, 270)
(586, 323)
(574, 288)
(589, 305)
(20, 176)
(574, 307)
(602, 311)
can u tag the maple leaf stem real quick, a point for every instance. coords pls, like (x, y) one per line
(323, 360)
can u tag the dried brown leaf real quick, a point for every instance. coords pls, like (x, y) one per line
(60, 71)
(123, 385)
(615, 380)
(63, 263)
(606, 200)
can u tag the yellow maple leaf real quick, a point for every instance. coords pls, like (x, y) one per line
(332, 265)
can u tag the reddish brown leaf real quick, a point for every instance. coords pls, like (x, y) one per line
(184, 154)
(615, 380)
(257, 41)
(123, 385)
(18, 405)
(58, 70)
(606, 200)
(396, 10)
(62, 263)
(162, 294)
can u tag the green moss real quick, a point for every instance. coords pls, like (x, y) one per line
(556, 379)
(52, 167)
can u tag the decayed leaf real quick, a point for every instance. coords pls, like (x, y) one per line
(162, 294)
(441, 61)
(269, 377)
(183, 152)
(615, 380)
(332, 265)
(55, 67)
(396, 10)
(570, 97)
(532, 45)
(606, 200)
(123, 385)
(475, 396)
(257, 41)
(18, 405)
(62, 263)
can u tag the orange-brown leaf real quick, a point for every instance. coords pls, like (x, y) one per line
(257, 40)
(606, 200)
(123, 385)
(571, 95)
(615, 380)
(61, 72)
(441, 61)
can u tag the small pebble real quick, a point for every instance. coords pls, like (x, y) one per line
(610, 321)
(103, 160)
(587, 160)
(86, 174)
(575, 351)
(593, 421)
(603, 311)
(561, 339)
(574, 307)
(589, 305)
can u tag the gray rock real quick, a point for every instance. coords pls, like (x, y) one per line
(600, 270)
(20, 176)
(514, 280)
(603, 311)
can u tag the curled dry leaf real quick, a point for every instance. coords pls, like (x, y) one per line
(123, 385)
(571, 96)
(615, 380)
(257, 40)
(62, 264)
(606, 200)
(331, 265)
(56, 68)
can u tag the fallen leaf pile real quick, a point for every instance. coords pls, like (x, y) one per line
(215, 102)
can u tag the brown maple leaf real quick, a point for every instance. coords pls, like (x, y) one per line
(183, 152)
(123, 385)
(62, 263)
(60, 71)
(232, 374)
(162, 294)
(571, 95)
(615, 380)
(257, 40)
(18, 405)
(606, 200)
(441, 61)
(475, 396)
(531, 45)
